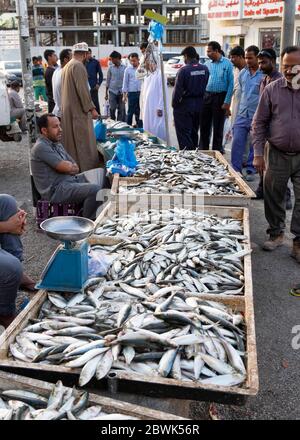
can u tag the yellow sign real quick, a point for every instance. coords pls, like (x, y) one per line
(155, 16)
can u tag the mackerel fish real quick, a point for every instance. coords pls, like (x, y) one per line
(167, 332)
(203, 253)
(61, 404)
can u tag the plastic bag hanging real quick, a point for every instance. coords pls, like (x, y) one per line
(156, 31)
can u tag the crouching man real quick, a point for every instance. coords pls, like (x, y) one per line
(12, 226)
(55, 173)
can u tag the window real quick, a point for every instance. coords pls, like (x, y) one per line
(270, 39)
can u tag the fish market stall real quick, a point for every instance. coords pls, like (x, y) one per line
(152, 336)
(205, 177)
(39, 400)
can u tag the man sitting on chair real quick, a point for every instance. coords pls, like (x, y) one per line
(55, 173)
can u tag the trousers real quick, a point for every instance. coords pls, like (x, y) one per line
(241, 131)
(40, 91)
(11, 255)
(95, 99)
(187, 127)
(20, 114)
(213, 116)
(86, 189)
(133, 108)
(281, 167)
(116, 103)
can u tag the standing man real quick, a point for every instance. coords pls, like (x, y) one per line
(187, 101)
(277, 121)
(64, 57)
(38, 80)
(95, 78)
(217, 98)
(51, 58)
(248, 90)
(267, 64)
(78, 111)
(143, 47)
(153, 106)
(237, 57)
(114, 85)
(132, 89)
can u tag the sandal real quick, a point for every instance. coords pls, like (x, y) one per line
(295, 291)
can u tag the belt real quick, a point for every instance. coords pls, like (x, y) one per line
(288, 153)
(215, 93)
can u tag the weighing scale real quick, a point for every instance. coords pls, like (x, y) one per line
(67, 269)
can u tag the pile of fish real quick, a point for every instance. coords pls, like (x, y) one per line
(62, 404)
(191, 172)
(116, 327)
(200, 252)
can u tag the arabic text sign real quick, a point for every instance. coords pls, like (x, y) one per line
(224, 9)
(265, 8)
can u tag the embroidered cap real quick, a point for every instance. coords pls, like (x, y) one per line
(80, 47)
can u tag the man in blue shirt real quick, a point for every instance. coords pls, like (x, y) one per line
(132, 90)
(114, 86)
(95, 78)
(217, 98)
(248, 95)
(187, 99)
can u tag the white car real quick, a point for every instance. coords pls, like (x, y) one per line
(174, 64)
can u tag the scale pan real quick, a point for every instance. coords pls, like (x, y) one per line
(68, 228)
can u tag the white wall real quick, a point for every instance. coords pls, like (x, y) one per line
(249, 28)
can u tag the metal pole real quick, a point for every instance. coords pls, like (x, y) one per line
(23, 25)
(288, 23)
(166, 116)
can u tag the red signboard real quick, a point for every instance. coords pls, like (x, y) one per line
(265, 8)
(224, 9)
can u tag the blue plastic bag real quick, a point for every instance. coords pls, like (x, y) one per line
(125, 152)
(156, 31)
(124, 161)
(100, 131)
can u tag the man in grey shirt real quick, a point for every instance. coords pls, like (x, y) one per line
(55, 172)
(114, 85)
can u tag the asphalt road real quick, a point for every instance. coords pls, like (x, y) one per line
(276, 312)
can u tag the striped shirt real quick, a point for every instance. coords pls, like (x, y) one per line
(114, 80)
(221, 77)
(38, 76)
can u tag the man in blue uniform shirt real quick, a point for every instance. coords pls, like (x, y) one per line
(187, 99)
(217, 98)
(95, 78)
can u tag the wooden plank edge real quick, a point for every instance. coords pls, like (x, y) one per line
(8, 336)
(14, 381)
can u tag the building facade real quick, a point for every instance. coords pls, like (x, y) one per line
(118, 23)
(247, 22)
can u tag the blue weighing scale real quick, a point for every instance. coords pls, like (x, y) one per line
(67, 269)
